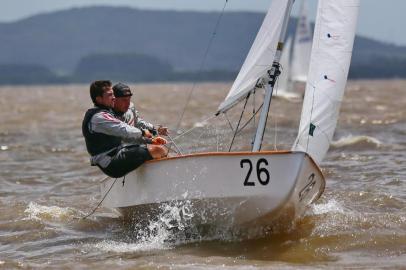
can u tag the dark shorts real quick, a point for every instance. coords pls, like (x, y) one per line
(126, 159)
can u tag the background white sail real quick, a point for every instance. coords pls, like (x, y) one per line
(295, 61)
(285, 87)
(329, 64)
(302, 46)
(284, 78)
(260, 56)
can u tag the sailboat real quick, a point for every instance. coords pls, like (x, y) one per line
(296, 57)
(253, 188)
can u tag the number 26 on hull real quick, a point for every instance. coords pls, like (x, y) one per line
(261, 170)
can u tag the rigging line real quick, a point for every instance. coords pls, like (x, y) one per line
(191, 129)
(202, 64)
(253, 107)
(198, 138)
(253, 116)
(228, 120)
(104, 197)
(249, 120)
(310, 122)
(239, 121)
(169, 146)
(217, 137)
(276, 119)
(174, 144)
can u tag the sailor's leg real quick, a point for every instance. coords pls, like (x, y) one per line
(127, 159)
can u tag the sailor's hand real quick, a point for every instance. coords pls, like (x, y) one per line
(147, 133)
(163, 131)
(159, 141)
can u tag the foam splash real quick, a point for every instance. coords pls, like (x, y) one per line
(41, 212)
(162, 232)
(170, 226)
(332, 206)
(176, 216)
(359, 141)
(122, 247)
(176, 224)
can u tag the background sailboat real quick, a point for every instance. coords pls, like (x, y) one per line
(296, 58)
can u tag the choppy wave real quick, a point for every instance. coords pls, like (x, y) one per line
(358, 142)
(122, 247)
(200, 124)
(42, 212)
(360, 221)
(332, 206)
(333, 218)
(290, 96)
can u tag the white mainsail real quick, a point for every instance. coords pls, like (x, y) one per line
(302, 46)
(330, 60)
(260, 57)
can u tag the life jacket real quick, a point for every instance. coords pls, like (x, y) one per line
(97, 143)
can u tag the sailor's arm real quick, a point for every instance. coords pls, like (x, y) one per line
(106, 123)
(139, 122)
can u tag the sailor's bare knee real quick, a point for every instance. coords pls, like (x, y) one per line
(157, 151)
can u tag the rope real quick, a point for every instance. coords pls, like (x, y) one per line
(239, 121)
(253, 108)
(228, 120)
(276, 119)
(174, 144)
(217, 138)
(191, 129)
(249, 120)
(105, 195)
(311, 116)
(201, 65)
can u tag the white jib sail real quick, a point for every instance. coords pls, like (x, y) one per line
(260, 58)
(302, 46)
(330, 60)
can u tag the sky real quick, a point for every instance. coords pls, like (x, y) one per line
(381, 20)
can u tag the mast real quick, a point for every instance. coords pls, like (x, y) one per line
(273, 74)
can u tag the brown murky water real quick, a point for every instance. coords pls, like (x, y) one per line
(46, 185)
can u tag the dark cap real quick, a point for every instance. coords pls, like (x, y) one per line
(122, 90)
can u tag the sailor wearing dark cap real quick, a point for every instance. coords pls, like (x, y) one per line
(122, 90)
(114, 146)
(126, 112)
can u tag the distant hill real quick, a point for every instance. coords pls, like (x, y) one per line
(27, 74)
(122, 67)
(59, 41)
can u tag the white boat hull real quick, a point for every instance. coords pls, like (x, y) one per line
(241, 188)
